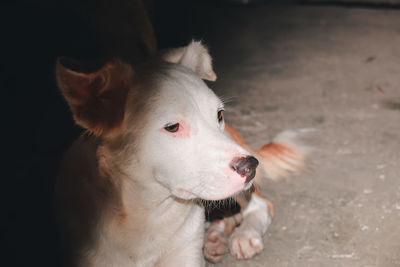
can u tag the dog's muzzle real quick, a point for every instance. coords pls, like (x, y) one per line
(246, 167)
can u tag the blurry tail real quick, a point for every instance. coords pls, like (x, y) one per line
(284, 155)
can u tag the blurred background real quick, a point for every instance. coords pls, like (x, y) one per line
(329, 65)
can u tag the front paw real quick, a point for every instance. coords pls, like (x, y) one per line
(245, 244)
(216, 242)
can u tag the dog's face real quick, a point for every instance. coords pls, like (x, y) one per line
(185, 141)
(179, 137)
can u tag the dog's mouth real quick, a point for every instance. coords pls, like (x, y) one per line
(225, 192)
(237, 177)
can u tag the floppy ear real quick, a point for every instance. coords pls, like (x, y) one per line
(194, 56)
(96, 98)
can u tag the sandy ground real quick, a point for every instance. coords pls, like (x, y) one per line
(335, 70)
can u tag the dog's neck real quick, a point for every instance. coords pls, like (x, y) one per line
(146, 212)
(140, 194)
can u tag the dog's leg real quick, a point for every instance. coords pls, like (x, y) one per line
(216, 241)
(247, 239)
(217, 237)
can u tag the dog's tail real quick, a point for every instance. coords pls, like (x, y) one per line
(284, 156)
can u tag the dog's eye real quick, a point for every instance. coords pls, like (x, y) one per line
(172, 128)
(220, 116)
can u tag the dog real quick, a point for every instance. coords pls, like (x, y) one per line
(242, 232)
(129, 189)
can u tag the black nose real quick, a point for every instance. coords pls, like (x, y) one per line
(245, 166)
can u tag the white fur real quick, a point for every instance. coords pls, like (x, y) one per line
(247, 239)
(194, 57)
(188, 166)
(131, 199)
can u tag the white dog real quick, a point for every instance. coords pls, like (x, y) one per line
(127, 193)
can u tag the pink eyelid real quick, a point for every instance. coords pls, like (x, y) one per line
(183, 131)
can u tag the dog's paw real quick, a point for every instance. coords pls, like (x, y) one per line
(216, 242)
(245, 244)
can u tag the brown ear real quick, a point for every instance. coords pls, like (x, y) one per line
(96, 98)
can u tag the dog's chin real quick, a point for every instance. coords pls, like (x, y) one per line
(234, 184)
(187, 195)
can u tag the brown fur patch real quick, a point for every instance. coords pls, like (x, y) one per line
(97, 99)
(235, 135)
(275, 149)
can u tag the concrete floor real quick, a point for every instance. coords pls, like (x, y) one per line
(336, 70)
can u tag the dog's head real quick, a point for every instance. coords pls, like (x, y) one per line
(162, 121)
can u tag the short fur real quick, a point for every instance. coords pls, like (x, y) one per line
(128, 190)
(127, 193)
